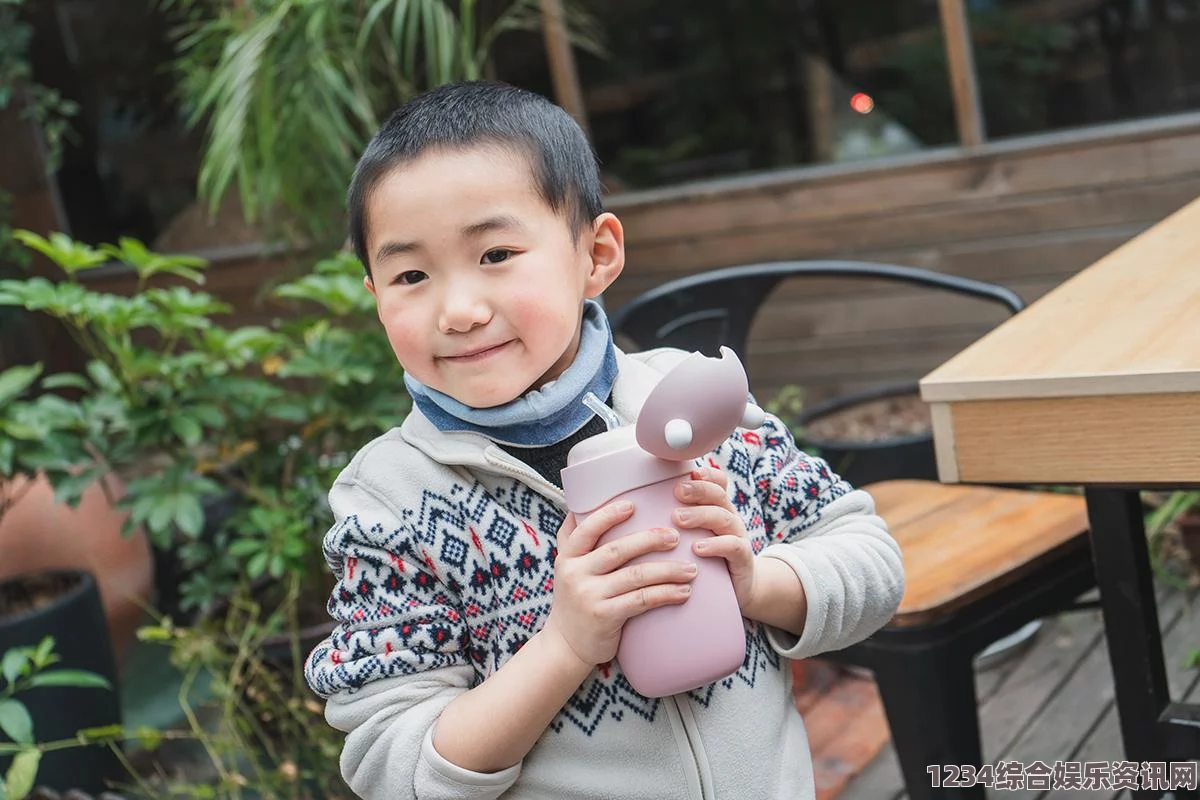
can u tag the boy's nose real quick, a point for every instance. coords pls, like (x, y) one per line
(462, 311)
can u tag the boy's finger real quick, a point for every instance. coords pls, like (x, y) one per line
(584, 536)
(702, 492)
(641, 600)
(717, 476)
(617, 552)
(718, 519)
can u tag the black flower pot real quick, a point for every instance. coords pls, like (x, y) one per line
(66, 606)
(862, 461)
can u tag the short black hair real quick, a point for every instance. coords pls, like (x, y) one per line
(460, 115)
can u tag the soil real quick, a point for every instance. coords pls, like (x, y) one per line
(31, 592)
(873, 421)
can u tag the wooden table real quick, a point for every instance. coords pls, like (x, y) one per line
(1097, 385)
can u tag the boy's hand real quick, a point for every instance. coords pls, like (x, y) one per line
(596, 590)
(708, 506)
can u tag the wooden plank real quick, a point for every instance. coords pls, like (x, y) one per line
(848, 235)
(825, 195)
(1127, 324)
(791, 316)
(1064, 643)
(1087, 701)
(1000, 259)
(1181, 631)
(976, 540)
(1142, 440)
(1006, 710)
(968, 113)
(903, 358)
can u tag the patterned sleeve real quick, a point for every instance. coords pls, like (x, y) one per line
(393, 615)
(398, 655)
(793, 487)
(830, 535)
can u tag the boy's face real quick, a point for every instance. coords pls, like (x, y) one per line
(478, 282)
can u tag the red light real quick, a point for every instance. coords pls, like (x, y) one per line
(862, 103)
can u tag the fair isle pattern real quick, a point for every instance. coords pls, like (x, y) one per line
(466, 578)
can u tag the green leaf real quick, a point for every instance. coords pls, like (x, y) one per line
(66, 380)
(22, 774)
(244, 548)
(14, 663)
(258, 564)
(44, 654)
(15, 721)
(14, 381)
(187, 429)
(189, 514)
(70, 677)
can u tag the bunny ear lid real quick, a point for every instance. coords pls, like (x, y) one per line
(696, 406)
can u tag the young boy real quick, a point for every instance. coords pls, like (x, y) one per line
(477, 622)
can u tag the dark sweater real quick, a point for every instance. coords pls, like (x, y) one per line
(549, 461)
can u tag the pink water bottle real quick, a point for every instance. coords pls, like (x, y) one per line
(694, 408)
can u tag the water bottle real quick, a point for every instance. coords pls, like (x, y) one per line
(694, 408)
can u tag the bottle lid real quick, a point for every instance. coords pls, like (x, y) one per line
(694, 407)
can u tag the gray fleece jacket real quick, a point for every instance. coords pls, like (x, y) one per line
(443, 548)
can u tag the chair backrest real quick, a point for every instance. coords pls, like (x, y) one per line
(714, 308)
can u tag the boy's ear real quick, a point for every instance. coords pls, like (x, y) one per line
(370, 284)
(607, 255)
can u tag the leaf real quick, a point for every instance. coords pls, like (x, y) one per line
(66, 380)
(22, 774)
(14, 663)
(189, 514)
(258, 565)
(70, 677)
(14, 381)
(187, 429)
(15, 721)
(244, 548)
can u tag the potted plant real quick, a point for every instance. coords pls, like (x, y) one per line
(880, 434)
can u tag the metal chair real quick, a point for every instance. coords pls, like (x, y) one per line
(1018, 555)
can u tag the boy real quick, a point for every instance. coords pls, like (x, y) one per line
(478, 625)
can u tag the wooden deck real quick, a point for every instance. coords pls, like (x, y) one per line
(1051, 702)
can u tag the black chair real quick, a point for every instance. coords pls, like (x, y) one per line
(1012, 567)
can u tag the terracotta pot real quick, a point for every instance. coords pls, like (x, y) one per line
(38, 533)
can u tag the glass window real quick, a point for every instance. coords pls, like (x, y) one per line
(1052, 64)
(698, 89)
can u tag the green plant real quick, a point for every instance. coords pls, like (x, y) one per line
(24, 668)
(262, 732)
(292, 90)
(44, 106)
(187, 411)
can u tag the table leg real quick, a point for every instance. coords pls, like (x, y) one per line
(1123, 573)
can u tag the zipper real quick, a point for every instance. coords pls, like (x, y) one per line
(697, 786)
(510, 466)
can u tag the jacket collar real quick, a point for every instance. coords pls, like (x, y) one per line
(632, 386)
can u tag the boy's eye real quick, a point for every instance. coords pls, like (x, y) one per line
(496, 256)
(410, 277)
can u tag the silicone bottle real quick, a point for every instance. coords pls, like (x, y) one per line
(694, 408)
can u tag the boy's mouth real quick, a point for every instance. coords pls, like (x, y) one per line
(477, 354)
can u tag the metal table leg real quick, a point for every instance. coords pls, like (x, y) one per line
(1122, 563)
